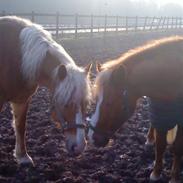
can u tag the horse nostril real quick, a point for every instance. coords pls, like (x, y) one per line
(73, 148)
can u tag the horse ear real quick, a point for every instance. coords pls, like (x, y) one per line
(88, 68)
(62, 72)
(118, 76)
(98, 67)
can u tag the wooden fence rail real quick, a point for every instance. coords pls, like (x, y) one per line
(76, 25)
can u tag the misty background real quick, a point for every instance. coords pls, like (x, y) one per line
(96, 7)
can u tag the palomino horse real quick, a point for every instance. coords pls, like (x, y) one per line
(154, 70)
(29, 58)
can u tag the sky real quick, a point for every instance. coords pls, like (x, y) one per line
(172, 1)
(161, 2)
(110, 7)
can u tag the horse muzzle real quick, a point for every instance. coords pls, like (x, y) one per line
(74, 146)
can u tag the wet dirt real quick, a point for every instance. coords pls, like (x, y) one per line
(124, 160)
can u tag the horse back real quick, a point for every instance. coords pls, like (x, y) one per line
(159, 70)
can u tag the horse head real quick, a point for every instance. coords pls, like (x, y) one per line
(113, 104)
(70, 96)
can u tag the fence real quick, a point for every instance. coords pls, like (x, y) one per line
(76, 25)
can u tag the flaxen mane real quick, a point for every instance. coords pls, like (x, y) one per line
(36, 41)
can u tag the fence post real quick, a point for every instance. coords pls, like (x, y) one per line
(33, 16)
(163, 23)
(136, 23)
(126, 24)
(145, 23)
(180, 23)
(172, 26)
(176, 22)
(117, 22)
(91, 31)
(57, 25)
(159, 22)
(105, 25)
(76, 25)
(152, 23)
(167, 25)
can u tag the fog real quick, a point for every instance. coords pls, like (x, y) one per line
(99, 7)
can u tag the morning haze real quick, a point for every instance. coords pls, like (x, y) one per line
(100, 7)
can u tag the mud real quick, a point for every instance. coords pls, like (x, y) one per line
(124, 160)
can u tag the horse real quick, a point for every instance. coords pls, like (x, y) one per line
(173, 138)
(29, 58)
(154, 70)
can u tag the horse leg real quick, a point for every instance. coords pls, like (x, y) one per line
(19, 114)
(150, 137)
(175, 169)
(177, 151)
(1, 103)
(160, 146)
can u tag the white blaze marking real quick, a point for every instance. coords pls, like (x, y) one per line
(95, 116)
(80, 131)
(77, 140)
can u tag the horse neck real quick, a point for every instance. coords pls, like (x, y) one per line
(54, 57)
(133, 88)
(46, 71)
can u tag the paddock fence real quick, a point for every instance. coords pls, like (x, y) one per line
(76, 25)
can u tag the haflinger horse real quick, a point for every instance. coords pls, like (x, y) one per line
(154, 70)
(29, 57)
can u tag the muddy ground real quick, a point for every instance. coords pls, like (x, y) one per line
(124, 160)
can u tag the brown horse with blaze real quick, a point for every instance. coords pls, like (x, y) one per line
(154, 70)
(29, 58)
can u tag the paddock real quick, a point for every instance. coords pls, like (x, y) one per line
(123, 160)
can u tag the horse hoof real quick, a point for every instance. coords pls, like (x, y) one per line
(25, 160)
(154, 177)
(149, 143)
(148, 148)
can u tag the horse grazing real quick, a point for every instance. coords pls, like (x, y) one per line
(29, 58)
(154, 70)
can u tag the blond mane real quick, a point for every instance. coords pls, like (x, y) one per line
(35, 42)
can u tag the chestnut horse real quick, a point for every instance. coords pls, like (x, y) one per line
(154, 70)
(174, 138)
(29, 58)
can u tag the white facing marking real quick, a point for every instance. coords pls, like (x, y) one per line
(95, 116)
(80, 136)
